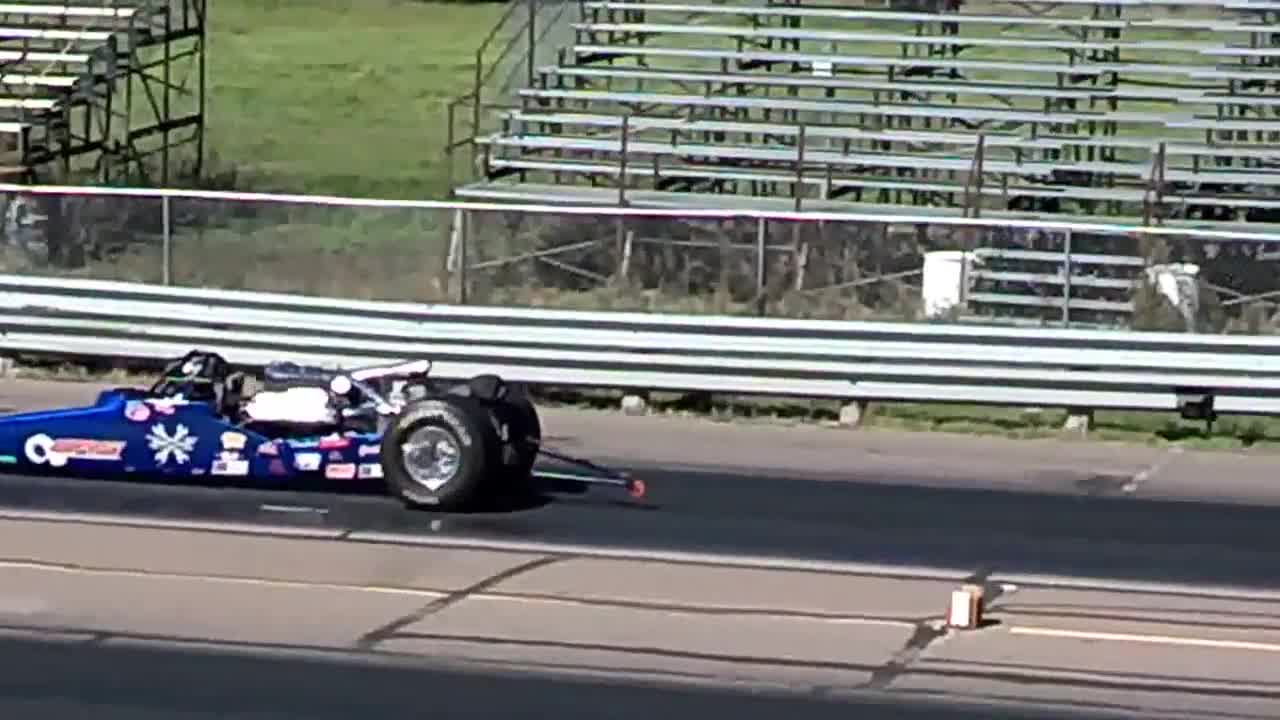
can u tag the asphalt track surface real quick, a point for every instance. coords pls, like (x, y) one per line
(1132, 581)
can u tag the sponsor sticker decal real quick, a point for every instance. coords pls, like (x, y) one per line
(41, 449)
(230, 467)
(340, 471)
(233, 440)
(307, 462)
(137, 411)
(8, 459)
(333, 442)
(369, 471)
(176, 445)
(367, 450)
(269, 449)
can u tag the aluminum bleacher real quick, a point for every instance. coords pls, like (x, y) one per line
(1142, 111)
(85, 86)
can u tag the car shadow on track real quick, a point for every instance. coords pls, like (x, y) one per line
(984, 529)
(317, 487)
(839, 520)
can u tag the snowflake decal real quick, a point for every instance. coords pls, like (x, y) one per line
(177, 446)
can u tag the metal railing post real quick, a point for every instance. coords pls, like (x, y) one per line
(531, 57)
(463, 235)
(623, 150)
(761, 263)
(800, 143)
(1066, 280)
(166, 231)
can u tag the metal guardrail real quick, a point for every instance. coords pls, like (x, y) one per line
(742, 355)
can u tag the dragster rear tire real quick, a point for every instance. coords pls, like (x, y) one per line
(516, 423)
(462, 426)
(524, 436)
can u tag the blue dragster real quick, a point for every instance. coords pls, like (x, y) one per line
(443, 447)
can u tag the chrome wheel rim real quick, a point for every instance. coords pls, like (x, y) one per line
(431, 457)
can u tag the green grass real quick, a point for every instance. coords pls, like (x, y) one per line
(339, 97)
(1152, 429)
(1160, 429)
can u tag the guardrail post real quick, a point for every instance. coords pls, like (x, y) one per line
(635, 403)
(1079, 420)
(853, 414)
(166, 251)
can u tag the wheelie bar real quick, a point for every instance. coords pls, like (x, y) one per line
(634, 487)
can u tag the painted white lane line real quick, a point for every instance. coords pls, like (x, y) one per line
(294, 509)
(1149, 639)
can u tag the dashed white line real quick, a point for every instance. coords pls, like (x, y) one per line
(294, 509)
(1148, 639)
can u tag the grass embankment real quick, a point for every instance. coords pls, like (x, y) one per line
(346, 98)
(339, 97)
(334, 97)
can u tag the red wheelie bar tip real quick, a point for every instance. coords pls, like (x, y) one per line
(636, 487)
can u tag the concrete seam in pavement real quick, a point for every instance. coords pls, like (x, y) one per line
(929, 631)
(474, 592)
(712, 610)
(1150, 471)
(378, 635)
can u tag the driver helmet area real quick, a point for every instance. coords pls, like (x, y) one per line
(197, 376)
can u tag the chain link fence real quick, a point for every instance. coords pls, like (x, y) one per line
(796, 266)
